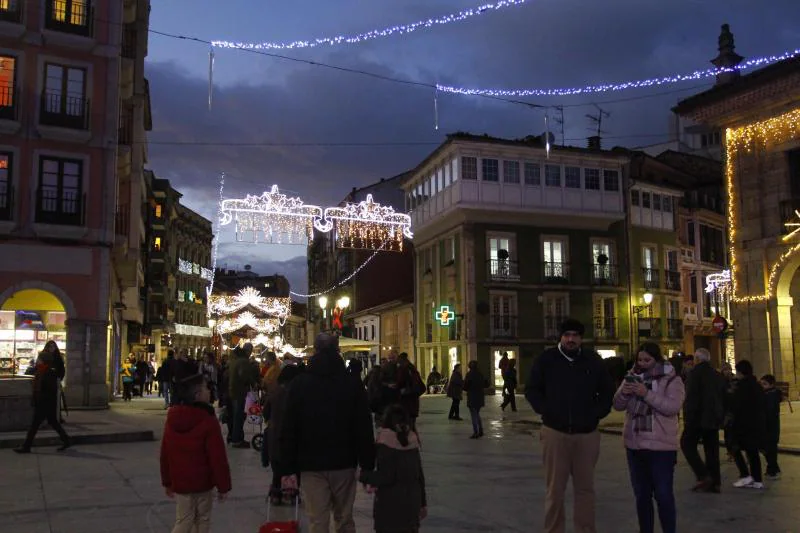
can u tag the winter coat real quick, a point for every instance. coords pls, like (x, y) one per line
(749, 413)
(665, 398)
(510, 378)
(772, 405)
(45, 382)
(270, 379)
(475, 385)
(327, 424)
(127, 372)
(411, 387)
(193, 456)
(275, 412)
(572, 396)
(704, 408)
(455, 386)
(182, 369)
(400, 483)
(242, 376)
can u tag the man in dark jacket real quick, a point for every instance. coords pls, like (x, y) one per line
(703, 413)
(326, 434)
(572, 391)
(243, 374)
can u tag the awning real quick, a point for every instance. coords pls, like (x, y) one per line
(347, 344)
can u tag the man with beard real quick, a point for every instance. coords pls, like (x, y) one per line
(571, 389)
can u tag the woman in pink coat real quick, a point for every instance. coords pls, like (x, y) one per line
(651, 396)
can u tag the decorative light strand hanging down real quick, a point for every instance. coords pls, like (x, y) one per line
(250, 297)
(374, 34)
(614, 87)
(274, 217)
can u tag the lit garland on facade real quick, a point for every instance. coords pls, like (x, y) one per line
(189, 268)
(374, 34)
(276, 218)
(247, 319)
(250, 297)
(746, 139)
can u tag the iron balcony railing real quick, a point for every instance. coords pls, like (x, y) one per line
(651, 278)
(503, 270)
(64, 111)
(605, 327)
(552, 326)
(555, 272)
(67, 208)
(674, 328)
(69, 17)
(504, 326)
(605, 274)
(672, 280)
(9, 110)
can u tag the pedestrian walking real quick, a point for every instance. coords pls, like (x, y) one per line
(651, 396)
(455, 388)
(571, 389)
(398, 481)
(193, 458)
(166, 383)
(703, 415)
(274, 412)
(151, 373)
(502, 366)
(243, 375)
(128, 374)
(45, 398)
(475, 386)
(773, 397)
(749, 427)
(382, 387)
(326, 433)
(510, 386)
(411, 386)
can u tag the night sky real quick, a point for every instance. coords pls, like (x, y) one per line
(542, 44)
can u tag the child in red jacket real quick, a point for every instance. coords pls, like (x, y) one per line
(193, 457)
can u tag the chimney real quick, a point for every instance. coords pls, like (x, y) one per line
(593, 142)
(727, 58)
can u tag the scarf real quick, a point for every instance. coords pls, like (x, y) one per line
(642, 414)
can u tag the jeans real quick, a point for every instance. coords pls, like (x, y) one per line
(163, 387)
(652, 474)
(771, 456)
(509, 398)
(710, 469)
(455, 409)
(236, 416)
(753, 458)
(40, 414)
(477, 423)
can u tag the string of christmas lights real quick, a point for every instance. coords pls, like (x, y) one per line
(215, 246)
(399, 29)
(350, 276)
(616, 87)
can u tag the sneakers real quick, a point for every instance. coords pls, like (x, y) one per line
(748, 483)
(776, 475)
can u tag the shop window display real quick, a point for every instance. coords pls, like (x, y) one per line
(23, 334)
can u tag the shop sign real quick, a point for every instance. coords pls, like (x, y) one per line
(445, 315)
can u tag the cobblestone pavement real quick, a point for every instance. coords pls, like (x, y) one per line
(493, 484)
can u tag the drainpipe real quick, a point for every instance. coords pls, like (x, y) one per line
(87, 367)
(634, 331)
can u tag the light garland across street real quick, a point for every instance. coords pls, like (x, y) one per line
(247, 319)
(250, 297)
(398, 29)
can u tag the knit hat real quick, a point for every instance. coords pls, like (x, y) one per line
(572, 324)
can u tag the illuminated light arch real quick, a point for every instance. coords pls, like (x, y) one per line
(774, 131)
(274, 217)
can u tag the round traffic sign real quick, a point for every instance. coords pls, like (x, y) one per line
(719, 324)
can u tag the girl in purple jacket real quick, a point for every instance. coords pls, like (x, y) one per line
(651, 397)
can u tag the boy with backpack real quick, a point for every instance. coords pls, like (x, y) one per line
(193, 457)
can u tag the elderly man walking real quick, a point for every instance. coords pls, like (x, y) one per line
(572, 390)
(703, 414)
(326, 434)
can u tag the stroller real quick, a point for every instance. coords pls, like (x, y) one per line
(255, 417)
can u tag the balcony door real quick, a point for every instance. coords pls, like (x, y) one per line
(603, 263)
(554, 253)
(65, 90)
(498, 351)
(503, 318)
(502, 256)
(605, 317)
(650, 267)
(555, 308)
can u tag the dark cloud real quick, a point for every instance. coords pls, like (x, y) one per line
(236, 256)
(543, 44)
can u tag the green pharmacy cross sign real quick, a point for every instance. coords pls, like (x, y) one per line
(445, 315)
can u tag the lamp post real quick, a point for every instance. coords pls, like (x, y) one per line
(322, 301)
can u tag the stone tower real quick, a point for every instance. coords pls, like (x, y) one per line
(727, 58)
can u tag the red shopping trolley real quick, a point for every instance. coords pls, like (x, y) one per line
(288, 526)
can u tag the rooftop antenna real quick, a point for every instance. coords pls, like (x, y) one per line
(560, 120)
(598, 120)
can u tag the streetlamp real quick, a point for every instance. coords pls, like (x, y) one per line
(648, 300)
(343, 302)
